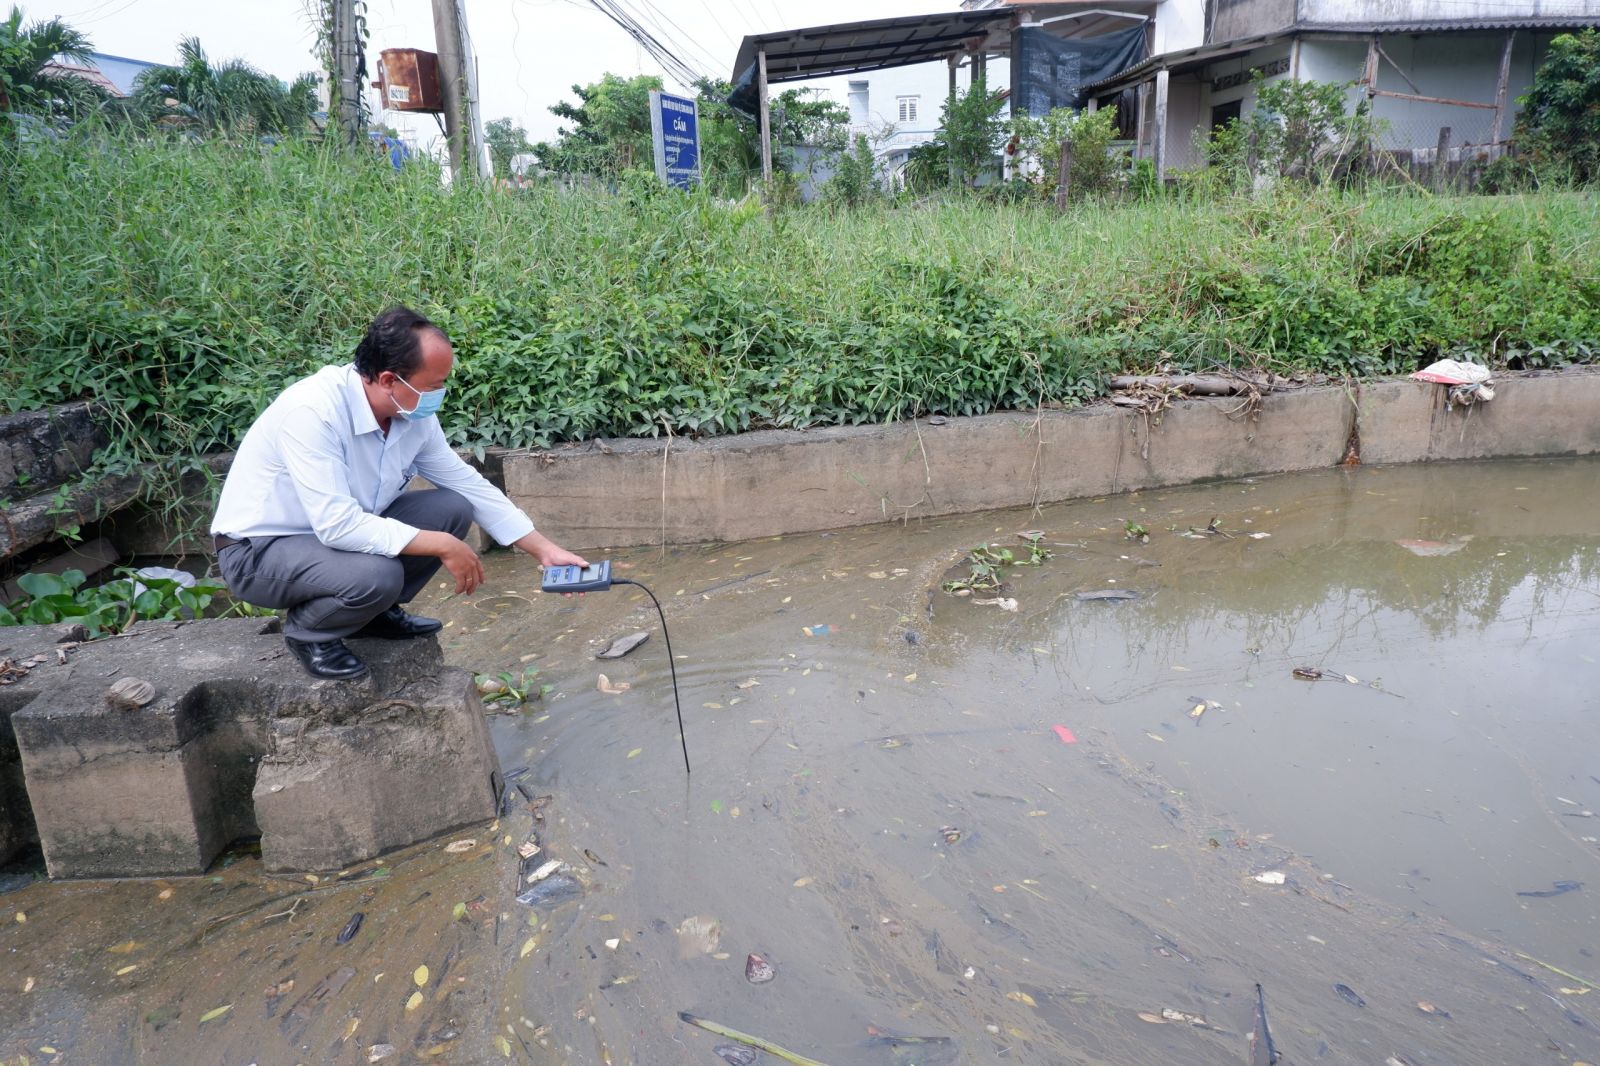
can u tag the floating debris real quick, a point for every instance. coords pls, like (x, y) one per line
(819, 630)
(1107, 596)
(1271, 877)
(1349, 995)
(550, 891)
(758, 971)
(1262, 1051)
(1307, 673)
(1005, 603)
(623, 645)
(351, 928)
(745, 1038)
(1428, 1008)
(736, 1054)
(698, 935)
(456, 847)
(1557, 888)
(951, 834)
(1065, 734)
(611, 688)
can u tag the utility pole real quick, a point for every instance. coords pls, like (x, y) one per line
(346, 70)
(455, 85)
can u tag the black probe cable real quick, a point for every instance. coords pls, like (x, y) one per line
(670, 662)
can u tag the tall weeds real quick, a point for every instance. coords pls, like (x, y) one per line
(183, 284)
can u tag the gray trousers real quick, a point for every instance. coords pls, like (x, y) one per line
(328, 594)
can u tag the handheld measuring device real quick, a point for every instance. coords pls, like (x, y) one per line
(596, 577)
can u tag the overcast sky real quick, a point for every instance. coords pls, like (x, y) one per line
(530, 52)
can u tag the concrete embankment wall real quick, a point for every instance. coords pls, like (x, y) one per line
(762, 484)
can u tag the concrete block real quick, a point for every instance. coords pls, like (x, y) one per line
(775, 482)
(382, 777)
(163, 788)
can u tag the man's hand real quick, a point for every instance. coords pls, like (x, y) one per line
(457, 557)
(548, 552)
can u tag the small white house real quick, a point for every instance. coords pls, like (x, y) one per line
(1436, 72)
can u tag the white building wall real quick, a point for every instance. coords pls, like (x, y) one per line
(1334, 11)
(873, 98)
(1179, 24)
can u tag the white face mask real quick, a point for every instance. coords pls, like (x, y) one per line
(428, 403)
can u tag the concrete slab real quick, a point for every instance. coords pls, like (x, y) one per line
(163, 788)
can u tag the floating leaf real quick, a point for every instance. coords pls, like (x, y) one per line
(420, 975)
(125, 948)
(504, 1045)
(27, 986)
(911, 677)
(1152, 736)
(414, 1002)
(751, 683)
(459, 911)
(802, 882)
(1022, 997)
(127, 970)
(1037, 814)
(164, 894)
(1153, 1019)
(635, 753)
(716, 806)
(456, 847)
(215, 1013)
(527, 947)
(712, 706)
(1199, 709)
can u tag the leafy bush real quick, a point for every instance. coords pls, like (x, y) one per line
(1559, 125)
(970, 131)
(855, 176)
(108, 608)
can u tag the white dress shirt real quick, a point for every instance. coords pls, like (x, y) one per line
(315, 461)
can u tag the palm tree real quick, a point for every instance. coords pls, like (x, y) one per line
(224, 98)
(26, 83)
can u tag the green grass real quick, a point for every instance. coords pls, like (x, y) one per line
(183, 285)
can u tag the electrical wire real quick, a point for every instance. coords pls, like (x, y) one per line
(670, 662)
(675, 67)
(657, 16)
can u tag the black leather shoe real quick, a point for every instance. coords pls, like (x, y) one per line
(396, 624)
(327, 659)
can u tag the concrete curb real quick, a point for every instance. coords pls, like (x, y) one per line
(635, 492)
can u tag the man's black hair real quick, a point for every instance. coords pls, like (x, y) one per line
(394, 343)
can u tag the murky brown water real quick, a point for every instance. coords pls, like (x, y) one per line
(892, 819)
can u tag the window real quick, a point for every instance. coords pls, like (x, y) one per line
(908, 108)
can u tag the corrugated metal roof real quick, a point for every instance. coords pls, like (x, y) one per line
(86, 73)
(1192, 58)
(877, 44)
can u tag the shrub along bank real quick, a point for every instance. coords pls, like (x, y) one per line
(183, 284)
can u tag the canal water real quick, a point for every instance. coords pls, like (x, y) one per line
(1333, 734)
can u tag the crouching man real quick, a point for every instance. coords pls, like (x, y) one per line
(312, 517)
